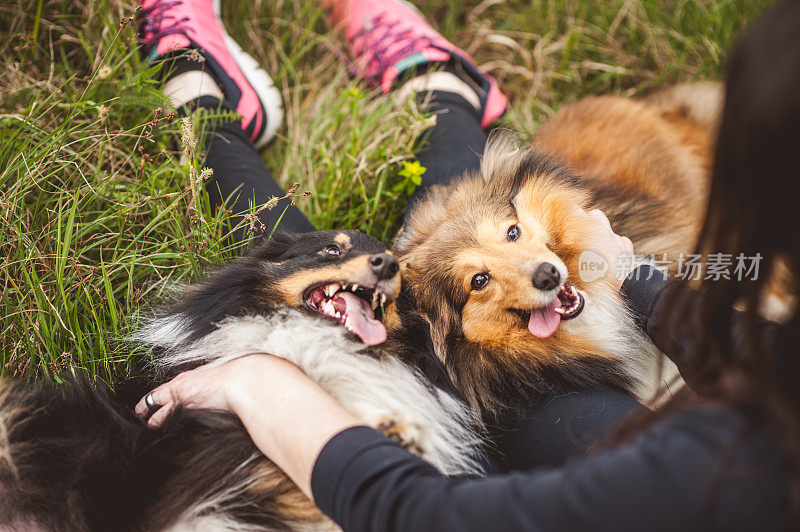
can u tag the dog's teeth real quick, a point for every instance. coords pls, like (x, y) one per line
(375, 295)
(560, 310)
(383, 299)
(354, 287)
(331, 289)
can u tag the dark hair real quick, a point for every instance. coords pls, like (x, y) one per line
(752, 210)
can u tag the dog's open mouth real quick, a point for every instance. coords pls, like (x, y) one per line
(571, 301)
(567, 304)
(354, 306)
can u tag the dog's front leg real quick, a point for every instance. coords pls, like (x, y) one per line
(406, 431)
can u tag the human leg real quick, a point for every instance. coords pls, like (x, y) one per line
(454, 146)
(395, 48)
(560, 427)
(207, 69)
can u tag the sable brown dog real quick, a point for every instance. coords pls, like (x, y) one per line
(493, 260)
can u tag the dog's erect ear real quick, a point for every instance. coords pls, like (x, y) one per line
(271, 247)
(423, 219)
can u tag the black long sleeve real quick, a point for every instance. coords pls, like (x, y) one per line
(665, 480)
(647, 291)
(700, 469)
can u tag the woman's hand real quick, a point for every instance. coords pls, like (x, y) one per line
(615, 250)
(288, 416)
(222, 387)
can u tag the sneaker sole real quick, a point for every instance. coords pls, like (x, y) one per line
(259, 80)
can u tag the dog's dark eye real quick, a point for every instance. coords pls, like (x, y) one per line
(513, 233)
(332, 250)
(480, 280)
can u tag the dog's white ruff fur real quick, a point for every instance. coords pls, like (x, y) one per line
(608, 321)
(373, 388)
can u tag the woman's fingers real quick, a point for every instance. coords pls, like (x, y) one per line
(159, 396)
(207, 387)
(218, 387)
(141, 407)
(628, 244)
(594, 216)
(616, 250)
(158, 418)
(601, 217)
(166, 398)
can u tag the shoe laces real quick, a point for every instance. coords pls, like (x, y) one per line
(375, 47)
(156, 23)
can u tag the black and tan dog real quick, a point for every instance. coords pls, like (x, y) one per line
(78, 459)
(494, 260)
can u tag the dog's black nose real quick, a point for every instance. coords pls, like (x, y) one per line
(546, 277)
(384, 266)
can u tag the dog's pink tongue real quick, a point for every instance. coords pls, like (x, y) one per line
(362, 318)
(544, 322)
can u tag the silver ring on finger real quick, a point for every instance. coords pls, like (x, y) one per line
(151, 404)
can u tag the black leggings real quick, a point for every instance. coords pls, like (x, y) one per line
(554, 430)
(454, 145)
(241, 178)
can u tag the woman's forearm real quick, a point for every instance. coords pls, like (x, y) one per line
(293, 426)
(660, 481)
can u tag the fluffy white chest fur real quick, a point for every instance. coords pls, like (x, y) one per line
(610, 324)
(377, 389)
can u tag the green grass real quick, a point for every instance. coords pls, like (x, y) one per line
(98, 216)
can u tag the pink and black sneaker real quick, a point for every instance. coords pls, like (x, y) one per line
(168, 27)
(389, 37)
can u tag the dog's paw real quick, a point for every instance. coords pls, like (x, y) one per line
(404, 430)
